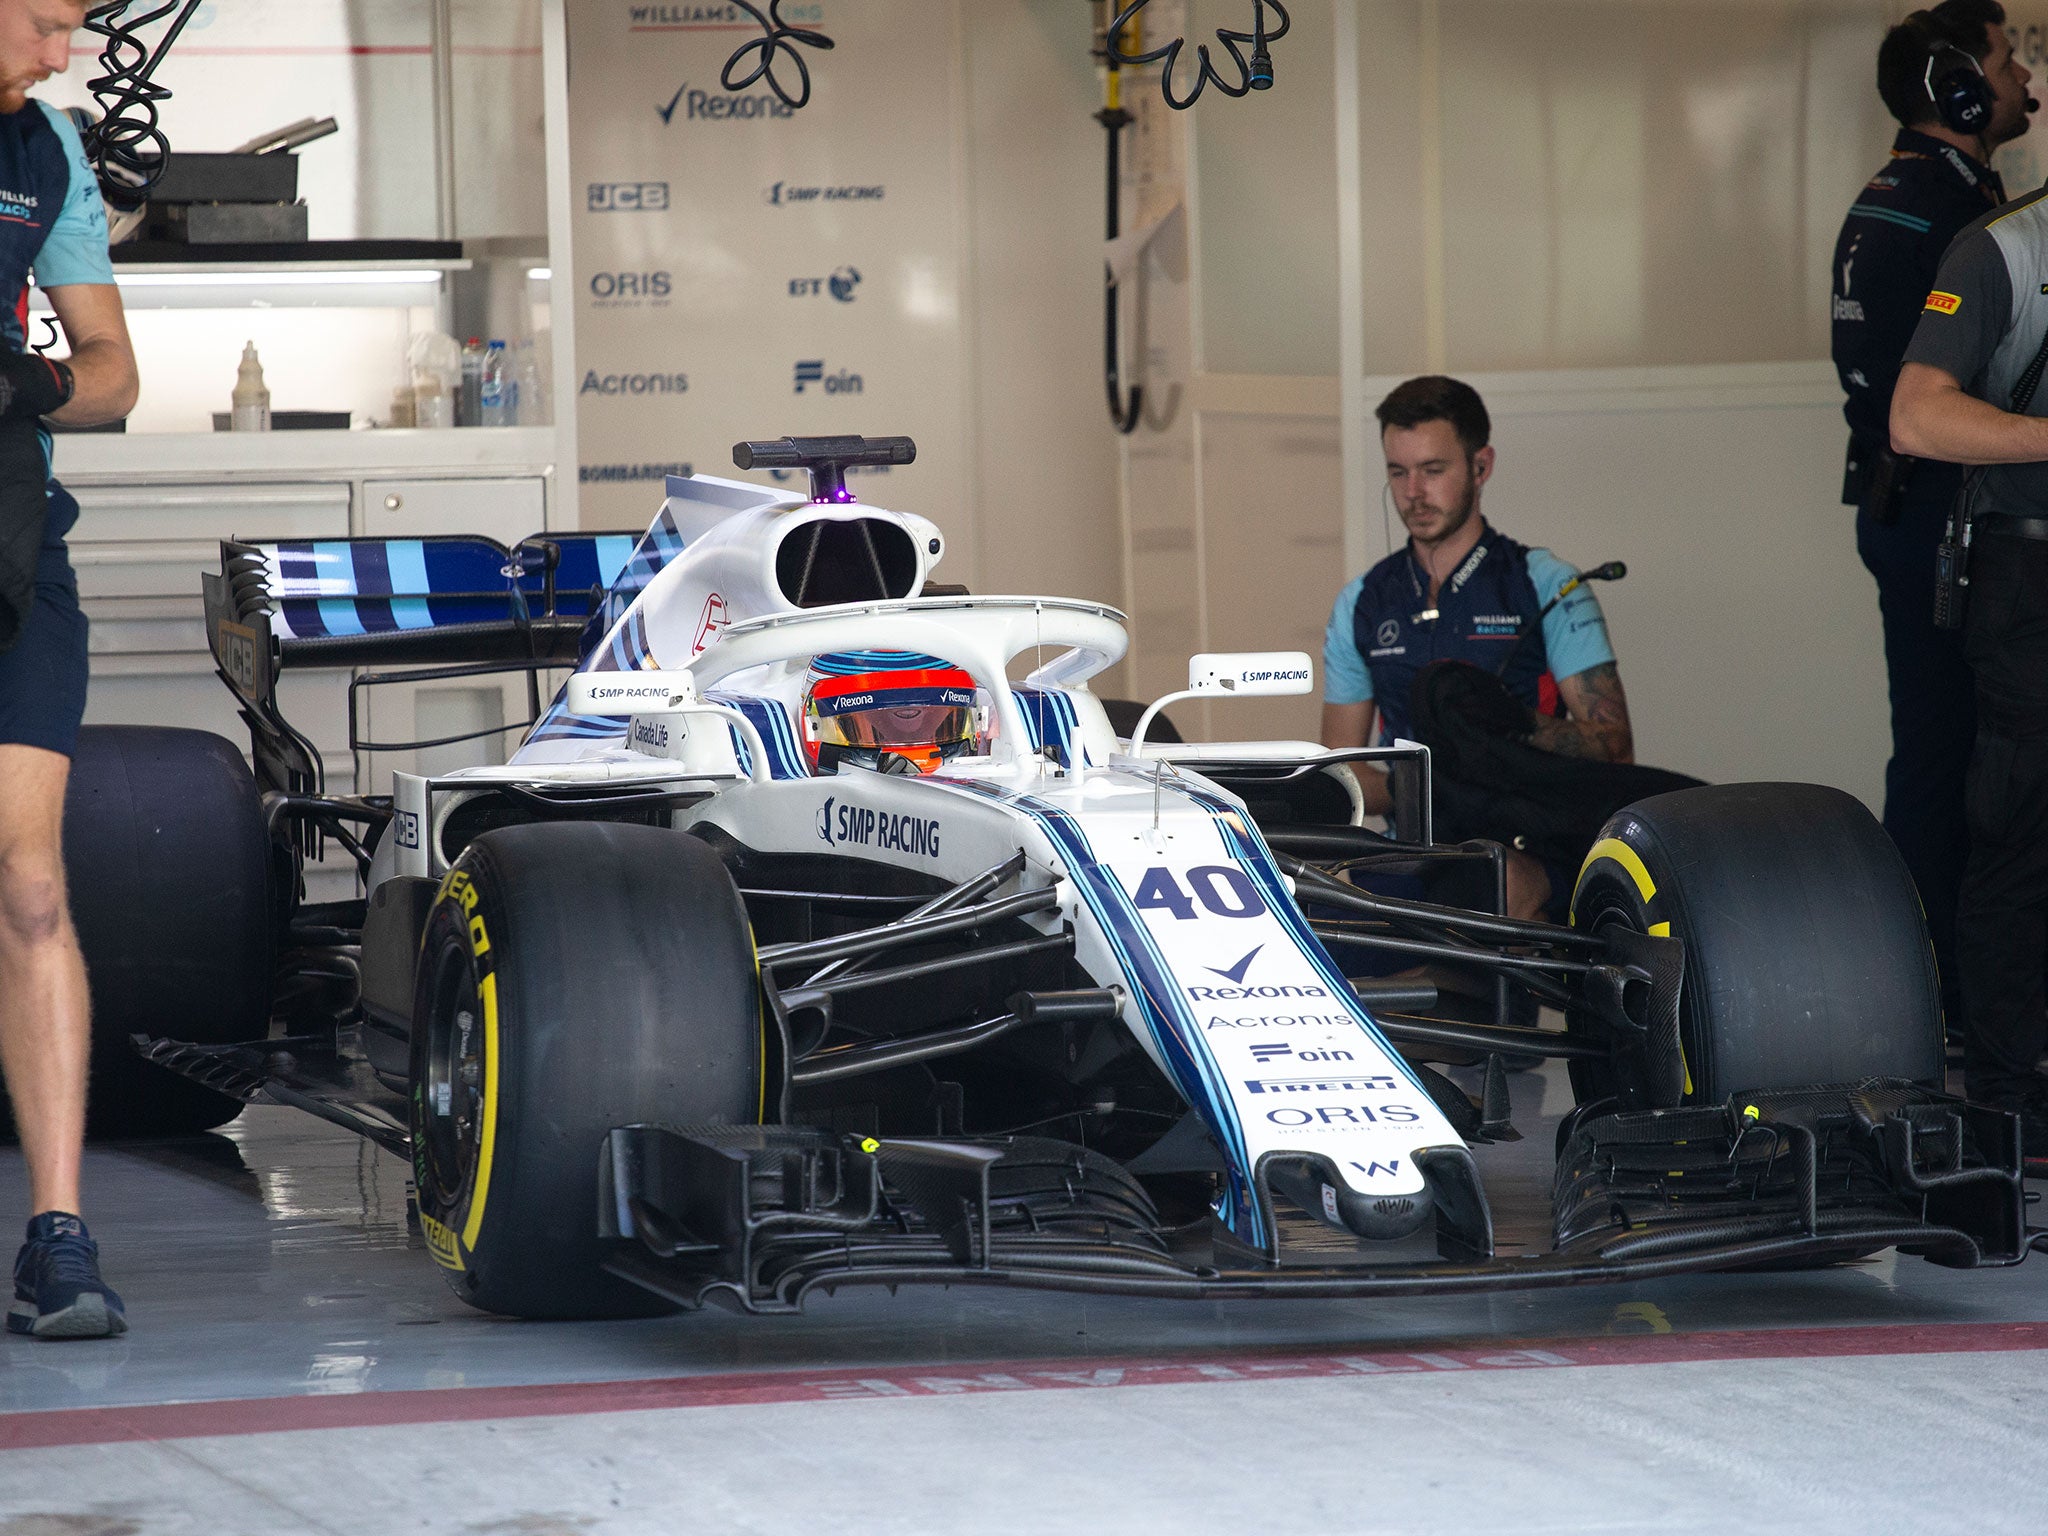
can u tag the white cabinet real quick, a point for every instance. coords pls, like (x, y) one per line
(503, 509)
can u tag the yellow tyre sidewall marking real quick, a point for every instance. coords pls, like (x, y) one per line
(1613, 848)
(448, 1248)
(480, 1188)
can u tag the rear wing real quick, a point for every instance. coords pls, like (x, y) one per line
(452, 600)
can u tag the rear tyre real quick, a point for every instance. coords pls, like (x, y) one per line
(1806, 957)
(573, 977)
(167, 863)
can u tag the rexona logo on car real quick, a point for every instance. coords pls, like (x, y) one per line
(1246, 994)
(864, 827)
(709, 623)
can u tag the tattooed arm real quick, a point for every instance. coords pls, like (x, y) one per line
(1598, 726)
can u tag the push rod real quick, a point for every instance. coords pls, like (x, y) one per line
(910, 930)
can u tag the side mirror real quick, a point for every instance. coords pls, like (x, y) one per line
(629, 693)
(1233, 674)
(1220, 674)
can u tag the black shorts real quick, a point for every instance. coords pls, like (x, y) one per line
(42, 679)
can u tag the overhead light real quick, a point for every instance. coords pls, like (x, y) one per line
(539, 274)
(270, 279)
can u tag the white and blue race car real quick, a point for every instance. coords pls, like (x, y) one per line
(689, 1001)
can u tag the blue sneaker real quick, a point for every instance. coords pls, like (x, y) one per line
(58, 1292)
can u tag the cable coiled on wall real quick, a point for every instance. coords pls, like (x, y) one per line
(779, 37)
(127, 147)
(1253, 74)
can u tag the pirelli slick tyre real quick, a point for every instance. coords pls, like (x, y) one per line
(573, 977)
(168, 867)
(1806, 956)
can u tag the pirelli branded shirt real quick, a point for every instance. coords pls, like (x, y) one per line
(1885, 260)
(1984, 321)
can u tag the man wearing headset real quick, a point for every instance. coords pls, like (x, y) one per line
(1949, 76)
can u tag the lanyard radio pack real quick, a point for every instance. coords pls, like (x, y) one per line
(1952, 555)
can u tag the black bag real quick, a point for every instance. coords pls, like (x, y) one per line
(24, 512)
(1489, 783)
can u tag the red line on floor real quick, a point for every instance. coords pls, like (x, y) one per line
(266, 1415)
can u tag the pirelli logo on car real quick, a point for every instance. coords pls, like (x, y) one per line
(1944, 303)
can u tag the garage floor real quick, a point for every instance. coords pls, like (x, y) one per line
(298, 1365)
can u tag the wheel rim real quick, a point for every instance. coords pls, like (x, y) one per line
(451, 1082)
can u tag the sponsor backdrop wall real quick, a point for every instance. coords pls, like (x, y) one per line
(744, 270)
(919, 250)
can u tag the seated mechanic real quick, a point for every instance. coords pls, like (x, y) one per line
(892, 711)
(1459, 590)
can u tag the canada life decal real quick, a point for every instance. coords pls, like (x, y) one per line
(1301, 1072)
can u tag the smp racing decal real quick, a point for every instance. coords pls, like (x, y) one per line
(864, 827)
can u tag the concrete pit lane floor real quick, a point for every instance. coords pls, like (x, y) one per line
(298, 1365)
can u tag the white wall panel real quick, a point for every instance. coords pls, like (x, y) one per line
(693, 317)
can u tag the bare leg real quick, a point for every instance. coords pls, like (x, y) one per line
(1528, 886)
(45, 1027)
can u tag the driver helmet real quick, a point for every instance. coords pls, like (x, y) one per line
(892, 711)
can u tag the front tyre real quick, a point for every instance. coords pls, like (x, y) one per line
(573, 977)
(1806, 957)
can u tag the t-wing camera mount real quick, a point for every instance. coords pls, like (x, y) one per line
(827, 458)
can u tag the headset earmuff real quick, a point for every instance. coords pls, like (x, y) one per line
(1961, 93)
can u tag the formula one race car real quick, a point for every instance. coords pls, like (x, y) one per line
(798, 946)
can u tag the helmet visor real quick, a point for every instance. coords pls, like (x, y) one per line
(908, 723)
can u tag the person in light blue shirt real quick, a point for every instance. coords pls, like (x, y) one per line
(52, 225)
(1460, 590)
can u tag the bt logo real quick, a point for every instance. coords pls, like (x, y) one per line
(840, 285)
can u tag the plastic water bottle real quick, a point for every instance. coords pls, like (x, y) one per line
(469, 394)
(499, 395)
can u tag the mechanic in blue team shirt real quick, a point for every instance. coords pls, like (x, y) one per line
(1461, 590)
(53, 224)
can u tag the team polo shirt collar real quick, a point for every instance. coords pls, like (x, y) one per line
(1963, 168)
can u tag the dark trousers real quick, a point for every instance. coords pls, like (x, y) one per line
(2002, 919)
(1933, 706)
